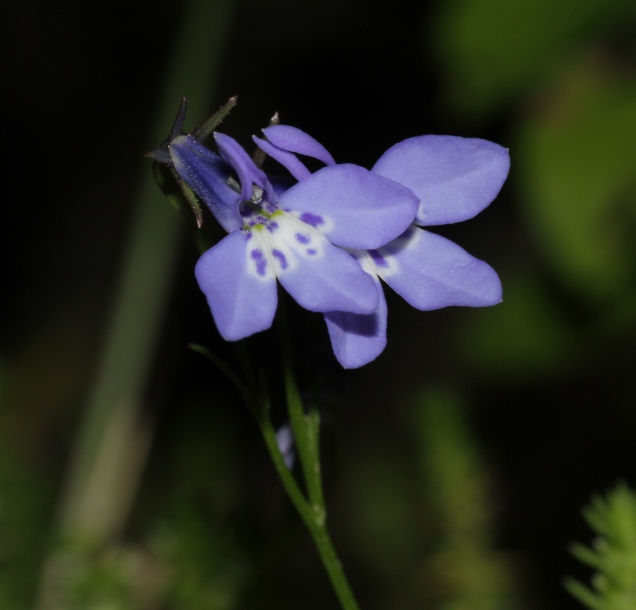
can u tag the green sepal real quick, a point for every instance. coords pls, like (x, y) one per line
(203, 132)
(191, 198)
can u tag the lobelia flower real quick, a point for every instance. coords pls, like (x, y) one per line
(454, 179)
(291, 235)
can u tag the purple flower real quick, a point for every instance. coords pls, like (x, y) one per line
(454, 179)
(292, 237)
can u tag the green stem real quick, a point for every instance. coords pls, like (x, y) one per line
(311, 508)
(306, 429)
(314, 522)
(334, 568)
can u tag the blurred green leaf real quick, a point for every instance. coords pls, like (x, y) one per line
(492, 50)
(575, 160)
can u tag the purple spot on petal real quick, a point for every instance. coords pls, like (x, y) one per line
(302, 239)
(281, 257)
(378, 259)
(312, 219)
(272, 226)
(259, 259)
(311, 251)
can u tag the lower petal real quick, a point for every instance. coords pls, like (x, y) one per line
(358, 339)
(320, 276)
(239, 285)
(431, 272)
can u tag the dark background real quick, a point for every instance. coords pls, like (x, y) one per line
(457, 463)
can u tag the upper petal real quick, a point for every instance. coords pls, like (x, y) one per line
(297, 141)
(239, 284)
(318, 275)
(352, 206)
(243, 165)
(357, 339)
(454, 178)
(430, 272)
(288, 160)
(207, 175)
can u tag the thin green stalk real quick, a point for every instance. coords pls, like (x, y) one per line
(333, 567)
(315, 524)
(287, 478)
(306, 429)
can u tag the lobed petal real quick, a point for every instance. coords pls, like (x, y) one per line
(454, 178)
(431, 272)
(318, 275)
(241, 294)
(288, 160)
(352, 206)
(294, 140)
(207, 174)
(244, 167)
(358, 339)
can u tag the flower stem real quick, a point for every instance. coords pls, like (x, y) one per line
(313, 519)
(306, 430)
(306, 427)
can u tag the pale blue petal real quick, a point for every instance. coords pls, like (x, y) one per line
(358, 339)
(243, 165)
(352, 206)
(430, 272)
(454, 178)
(207, 175)
(318, 275)
(240, 286)
(297, 141)
(288, 160)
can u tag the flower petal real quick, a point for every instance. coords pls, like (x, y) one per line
(352, 206)
(239, 284)
(318, 275)
(358, 339)
(454, 178)
(207, 174)
(288, 160)
(430, 272)
(297, 141)
(243, 165)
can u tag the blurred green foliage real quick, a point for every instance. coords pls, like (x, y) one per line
(465, 571)
(493, 52)
(613, 554)
(576, 156)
